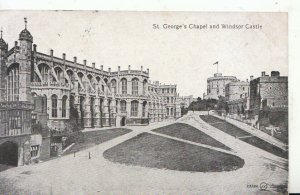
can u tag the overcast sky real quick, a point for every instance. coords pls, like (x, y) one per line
(184, 56)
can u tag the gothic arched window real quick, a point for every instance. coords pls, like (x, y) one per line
(54, 105)
(144, 87)
(134, 108)
(123, 106)
(13, 83)
(135, 86)
(64, 106)
(113, 86)
(124, 86)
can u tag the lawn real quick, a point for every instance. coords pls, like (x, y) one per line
(187, 132)
(235, 131)
(224, 126)
(154, 151)
(93, 138)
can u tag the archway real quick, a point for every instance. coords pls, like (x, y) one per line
(9, 153)
(123, 121)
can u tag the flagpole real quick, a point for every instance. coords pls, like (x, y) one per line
(217, 63)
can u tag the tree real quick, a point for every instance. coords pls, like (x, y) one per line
(221, 105)
(202, 105)
(183, 111)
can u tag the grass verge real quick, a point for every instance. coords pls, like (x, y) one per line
(154, 151)
(187, 132)
(93, 138)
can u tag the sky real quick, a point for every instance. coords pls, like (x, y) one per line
(184, 57)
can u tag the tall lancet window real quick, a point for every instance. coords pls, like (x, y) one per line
(124, 86)
(144, 87)
(134, 108)
(13, 83)
(135, 86)
(113, 86)
(64, 106)
(54, 105)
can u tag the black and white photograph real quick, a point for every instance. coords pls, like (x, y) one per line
(144, 102)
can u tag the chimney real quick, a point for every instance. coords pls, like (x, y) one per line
(109, 70)
(94, 65)
(34, 47)
(64, 56)
(147, 70)
(119, 68)
(51, 52)
(16, 43)
(129, 67)
(101, 67)
(247, 80)
(263, 73)
(75, 59)
(84, 62)
(251, 77)
(141, 68)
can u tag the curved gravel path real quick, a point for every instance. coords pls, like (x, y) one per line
(81, 175)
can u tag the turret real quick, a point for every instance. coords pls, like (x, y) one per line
(25, 39)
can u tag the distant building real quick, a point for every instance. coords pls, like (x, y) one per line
(269, 100)
(216, 85)
(186, 101)
(169, 96)
(236, 95)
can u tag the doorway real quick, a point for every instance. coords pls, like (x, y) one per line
(9, 153)
(123, 121)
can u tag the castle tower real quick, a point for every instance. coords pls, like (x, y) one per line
(25, 57)
(3, 50)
